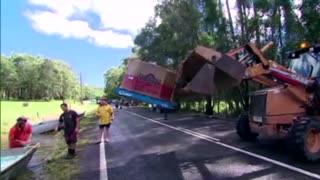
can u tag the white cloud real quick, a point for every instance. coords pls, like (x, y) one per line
(120, 15)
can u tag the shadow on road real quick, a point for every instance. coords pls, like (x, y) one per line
(170, 167)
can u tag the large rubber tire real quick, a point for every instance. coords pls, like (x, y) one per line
(244, 130)
(300, 133)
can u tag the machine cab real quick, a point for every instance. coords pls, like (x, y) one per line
(306, 61)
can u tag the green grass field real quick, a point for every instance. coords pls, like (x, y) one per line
(35, 111)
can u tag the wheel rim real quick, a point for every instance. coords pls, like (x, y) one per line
(314, 141)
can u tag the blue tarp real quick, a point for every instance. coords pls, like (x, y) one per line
(144, 98)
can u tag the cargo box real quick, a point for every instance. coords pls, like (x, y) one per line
(149, 79)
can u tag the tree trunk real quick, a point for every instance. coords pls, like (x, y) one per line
(230, 21)
(225, 45)
(209, 109)
(257, 24)
(188, 106)
(230, 106)
(6, 94)
(245, 20)
(280, 28)
(273, 22)
(239, 5)
(178, 104)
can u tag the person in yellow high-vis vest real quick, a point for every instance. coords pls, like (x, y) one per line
(105, 114)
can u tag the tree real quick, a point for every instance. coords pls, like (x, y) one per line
(310, 18)
(168, 43)
(8, 77)
(113, 78)
(92, 92)
(187, 23)
(28, 77)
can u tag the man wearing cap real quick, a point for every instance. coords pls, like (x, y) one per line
(20, 134)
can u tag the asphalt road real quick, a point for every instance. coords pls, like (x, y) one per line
(145, 147)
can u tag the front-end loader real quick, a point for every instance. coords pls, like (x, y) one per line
(289, 106)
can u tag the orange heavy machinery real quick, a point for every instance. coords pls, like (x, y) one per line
(290, 105)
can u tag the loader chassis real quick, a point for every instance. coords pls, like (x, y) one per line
(289, 110)
(289, 107)
(267, 109)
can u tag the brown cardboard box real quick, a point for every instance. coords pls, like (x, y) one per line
(149, 79)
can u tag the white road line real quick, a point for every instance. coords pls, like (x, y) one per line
(199, 134)
(103, 162)
(202, 136)
(307, 173)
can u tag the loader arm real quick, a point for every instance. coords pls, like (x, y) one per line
(203, 65)
(206, 70)
(257, 70)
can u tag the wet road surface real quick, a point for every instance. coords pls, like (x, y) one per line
(145, 147)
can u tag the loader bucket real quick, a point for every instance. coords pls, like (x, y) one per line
(206, 70)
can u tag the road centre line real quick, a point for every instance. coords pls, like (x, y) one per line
(103, 162)
(202, 136)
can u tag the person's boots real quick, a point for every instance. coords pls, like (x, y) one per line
(70, 154)
(73, 152)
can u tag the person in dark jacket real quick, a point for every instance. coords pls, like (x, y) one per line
(69, 121)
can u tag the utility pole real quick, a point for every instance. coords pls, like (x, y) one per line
(81, 95)
(63, 89)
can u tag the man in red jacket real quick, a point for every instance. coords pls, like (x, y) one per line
(20, 134)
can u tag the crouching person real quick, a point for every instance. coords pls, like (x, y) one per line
(69, 120)
(20, 134)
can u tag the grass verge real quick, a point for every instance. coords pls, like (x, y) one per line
(59, 168)
(35, 111)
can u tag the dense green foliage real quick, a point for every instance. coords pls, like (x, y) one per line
(179, 25)
(113, 78)
(27, 77)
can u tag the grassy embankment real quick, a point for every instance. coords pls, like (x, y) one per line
(56, 167)
(59, 168)
(36, 111)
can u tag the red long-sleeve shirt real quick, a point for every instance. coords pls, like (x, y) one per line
(19, 134)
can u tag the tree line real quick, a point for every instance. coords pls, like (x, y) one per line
(187, 23)
(28, 77)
